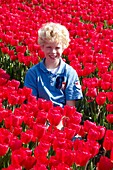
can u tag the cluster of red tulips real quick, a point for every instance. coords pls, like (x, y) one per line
(30, 137)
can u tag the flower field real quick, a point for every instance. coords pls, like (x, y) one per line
(26, 140)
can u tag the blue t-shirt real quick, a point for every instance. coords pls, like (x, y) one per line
(58, 87)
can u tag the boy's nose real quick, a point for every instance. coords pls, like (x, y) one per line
(54, 50)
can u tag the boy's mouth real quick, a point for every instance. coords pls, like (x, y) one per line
(53, 56)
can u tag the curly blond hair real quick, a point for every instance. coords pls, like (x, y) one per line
(53, 32)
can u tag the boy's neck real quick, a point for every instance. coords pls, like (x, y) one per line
(52, 65)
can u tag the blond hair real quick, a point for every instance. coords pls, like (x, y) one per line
(53, 32)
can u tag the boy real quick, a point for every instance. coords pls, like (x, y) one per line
(53, 79)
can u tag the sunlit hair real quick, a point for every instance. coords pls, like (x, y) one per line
(53, 32)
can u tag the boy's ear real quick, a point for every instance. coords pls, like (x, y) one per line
(42, 47)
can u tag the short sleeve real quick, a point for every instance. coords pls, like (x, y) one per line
(73, 89)
(31, 82)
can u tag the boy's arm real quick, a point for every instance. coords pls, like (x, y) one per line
(30, 82)
(70, 102)
(73, 89)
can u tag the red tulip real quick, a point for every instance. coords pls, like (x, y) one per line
(69, 133)
(26, 91)
(69, 111)
(106, 77)
(105, 85)
(96, 133)
(39, 131)
(101, 98)
(64, 156)
(81, 157)
(93, 147)
(13, 167)
(88, 69)
(41, 117)
(62, 166)
(88, 125)
(41, 154)
(3, 149)
(110, 96)
(5, 136)
(109, 118)
(3, 81)
(76, 118)
(109, 107)
(82, 131)
(67, 157)
(104, 163)
(13, 120)
(14, 83)
(39, 166)
(29, 120)
(59, 143)
(53, 162)
(17, 131)
(15, 144)
(29, 162)
(92, 92)
(54, 117)
(13, 99)
(108, 140)
(21, 99)
(26, 136)
(18, 156)
(5, 50)
(90, 146)
(21, 49)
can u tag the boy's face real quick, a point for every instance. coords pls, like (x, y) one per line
(52, 50)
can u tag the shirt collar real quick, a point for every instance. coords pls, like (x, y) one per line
(60, 70)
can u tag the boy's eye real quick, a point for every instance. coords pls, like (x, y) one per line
(57, 48)
(48, 47)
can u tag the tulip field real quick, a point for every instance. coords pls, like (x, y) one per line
(29, 136)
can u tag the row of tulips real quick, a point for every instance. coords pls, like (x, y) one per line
(27, 142)
(30, 137)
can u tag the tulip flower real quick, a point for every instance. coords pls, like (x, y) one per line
(64, 156)
(109, 107)
(29, 162)
(110, 96)
(41, 117)
(41, 154)
(14, 83)
(54, 117)
(69, 110)
(105, 85)
(18, 156)
(15, 143)
(39, 166)
(101, 98)
(88, 125)
(109, 118)
(104, 163)
(13, 167)
(108, 140)
(92, 92)
(39, 131)
(3, 149)
(27, 136)
(96, 133)
(81, 158)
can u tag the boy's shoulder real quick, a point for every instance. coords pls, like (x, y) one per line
(70, 69)
(34, 67)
